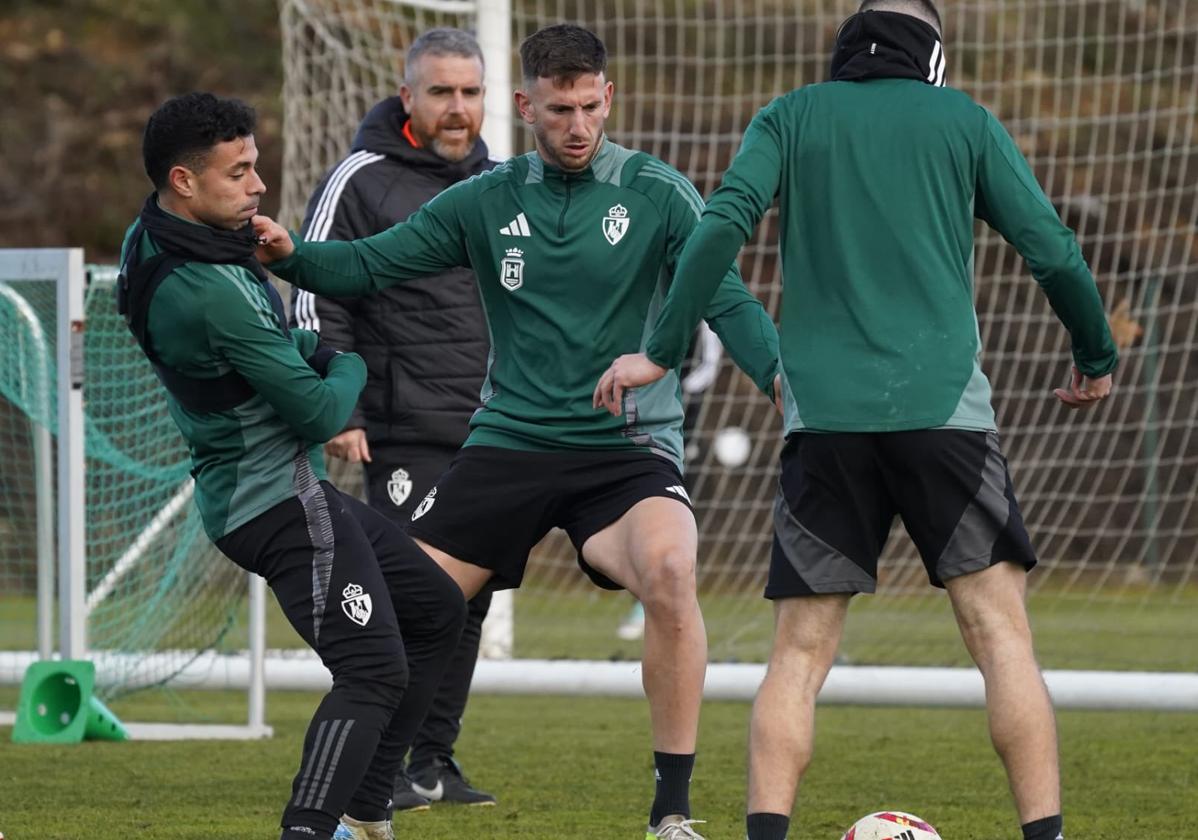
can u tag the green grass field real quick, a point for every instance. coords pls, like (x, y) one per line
(1116, 630)
(567, 768)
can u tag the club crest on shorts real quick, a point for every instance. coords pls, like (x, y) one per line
(511, 270)
(357, 604)
(425, 505)
(615, 223)
(399, 486)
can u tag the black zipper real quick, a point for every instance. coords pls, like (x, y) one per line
(561, 220)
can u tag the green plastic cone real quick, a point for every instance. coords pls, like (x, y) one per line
(57, 706)
(102, 724)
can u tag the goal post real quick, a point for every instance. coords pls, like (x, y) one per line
(134, 585)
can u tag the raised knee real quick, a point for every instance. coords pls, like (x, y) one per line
(668, 579)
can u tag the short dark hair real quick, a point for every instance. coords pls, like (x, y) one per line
(441, 41)
(919, 8)
(562, 52)
(184, 129)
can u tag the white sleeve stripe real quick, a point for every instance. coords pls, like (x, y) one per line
(331, 210)
(326, 208)
(305, 311)
(322, 205)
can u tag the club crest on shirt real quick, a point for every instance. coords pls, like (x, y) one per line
(511, 270)
(357, 604)
(399, 486)
(615, 223)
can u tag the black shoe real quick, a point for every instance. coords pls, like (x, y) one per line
(444, 782)
(404, 798)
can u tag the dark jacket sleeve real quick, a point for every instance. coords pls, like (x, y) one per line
(337, 210)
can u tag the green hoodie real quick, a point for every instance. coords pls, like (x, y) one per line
(572, 269)
(878, 184)
(207, 319)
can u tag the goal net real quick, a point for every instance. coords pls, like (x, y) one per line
(1100, 96)
(155, 594)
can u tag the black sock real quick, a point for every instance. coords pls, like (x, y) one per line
(1048, 828)
(765, 826)
(673, 785)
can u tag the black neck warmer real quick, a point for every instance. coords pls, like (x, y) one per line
(888, 45)
(198, 242)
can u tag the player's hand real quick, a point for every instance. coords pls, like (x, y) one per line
(1083, 391)
(778, 395)
(630, 371)
(274, 242)
(350, 446)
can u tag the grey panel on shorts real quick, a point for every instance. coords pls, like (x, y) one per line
(824, 569)
(971, 546)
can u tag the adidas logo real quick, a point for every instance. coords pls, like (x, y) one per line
(516, 227)
(679, 490)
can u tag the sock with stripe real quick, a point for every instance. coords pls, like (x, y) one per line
(1049, 828)
(673, 773)
(766, 826)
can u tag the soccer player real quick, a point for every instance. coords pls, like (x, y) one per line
(424, 343)
(573, 245)
(255, 401)
(880, 174)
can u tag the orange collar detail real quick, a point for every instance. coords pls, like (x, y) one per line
(411, 138)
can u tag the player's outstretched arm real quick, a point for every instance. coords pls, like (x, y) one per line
(431, 241)
(709, 253)
(1010, 199)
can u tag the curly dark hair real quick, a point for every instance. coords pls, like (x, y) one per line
(562, 53)
(184, 129)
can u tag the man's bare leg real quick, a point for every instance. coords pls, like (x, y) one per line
(651, 551)
(781, 735)
(991, 613)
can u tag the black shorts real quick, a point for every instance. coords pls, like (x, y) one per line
(839, 494)
(400, 475)
(494, 505)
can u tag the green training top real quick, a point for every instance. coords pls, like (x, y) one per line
(207, 319)
(878, 185)
(573, 268)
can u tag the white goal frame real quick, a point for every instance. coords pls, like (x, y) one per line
(66, 558)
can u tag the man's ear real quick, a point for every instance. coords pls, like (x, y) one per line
(524, 107)
(181, 181)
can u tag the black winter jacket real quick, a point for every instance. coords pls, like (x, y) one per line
(425, 343)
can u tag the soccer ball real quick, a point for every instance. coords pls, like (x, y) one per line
(732, 446)
(890, 825)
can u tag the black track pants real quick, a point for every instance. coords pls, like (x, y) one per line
(384, 620)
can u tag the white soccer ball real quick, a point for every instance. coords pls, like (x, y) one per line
(732, 446)
(891, 825)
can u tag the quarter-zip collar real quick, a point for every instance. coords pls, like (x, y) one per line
(557, 176)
